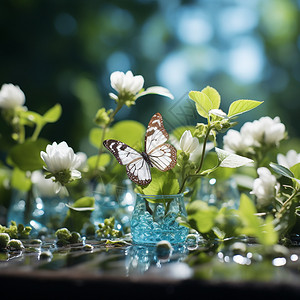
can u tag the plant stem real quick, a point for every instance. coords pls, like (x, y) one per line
(286, 204)
(36, 132)
(203, 149)
(21, 134)
(28, 206)
(201, 161)
(111, 118)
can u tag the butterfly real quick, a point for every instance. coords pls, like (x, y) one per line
(157, 153)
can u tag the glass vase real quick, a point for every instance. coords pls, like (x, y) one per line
(219, 192)
(43, 213)
(155, 219)
(114, 201)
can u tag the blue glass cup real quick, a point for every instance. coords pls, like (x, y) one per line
(155, 218)
(219, 193)
(44, 214)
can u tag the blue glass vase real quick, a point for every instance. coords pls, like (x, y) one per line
(219, 193)
(155, 219)
(140, 258)
(43, 213)
(114, 201)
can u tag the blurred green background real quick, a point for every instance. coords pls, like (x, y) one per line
(64, 51)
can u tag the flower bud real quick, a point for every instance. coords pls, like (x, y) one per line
(188, 143)
(102, 117)
(11, 96)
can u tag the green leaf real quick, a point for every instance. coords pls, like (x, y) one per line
(202, 215)
(79, 213)
(129, 132)
(247, 213)
(80, 208)
(203, 103)
(163, 183)
(20, 181)
(27, 156)
(231, 160)
(95, 136)
(281, 170)
(295, 170)
(53, 114)
(103, 161)
(30, 117)
(253, 225)
(247, 210)
(84, 202)
(240, 106)
(213, 95)
(178, 131)
(268, 234)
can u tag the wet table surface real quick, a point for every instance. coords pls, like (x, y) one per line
(121, 269)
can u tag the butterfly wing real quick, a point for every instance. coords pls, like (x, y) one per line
(137, 168)
(162, 155)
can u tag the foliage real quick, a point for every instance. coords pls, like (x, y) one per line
(193, 161)
(26, 156)
(107, 229)
(4, 239)
(79, 213)
(163, 183)
(65, 237)
(207, 104)
(226, 223)
(16, 231)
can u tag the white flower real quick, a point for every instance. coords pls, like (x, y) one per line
(11, 96)
(290, 159)
(83, 160)
(126, 83)
(265, 186)
(129, 87)
(196, 154)
(44, 187)
(59, 157)
(188, 143)
(62, 162)
(234, 141)
(264, 131)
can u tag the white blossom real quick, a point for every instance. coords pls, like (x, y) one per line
(129, 87)
(264, 131)
(83, 160)
(11, 96)
(290, 159)
(126, 83)
(265, 186)
(62, 162)
(234, 141)
(43, 186)
(188, 143)
(196, 154)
